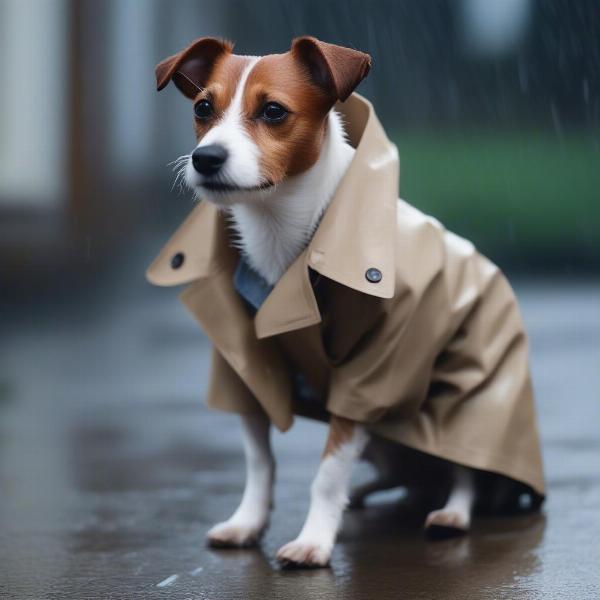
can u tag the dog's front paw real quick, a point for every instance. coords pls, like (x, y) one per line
(304, 554)
(233, 534)
(445, 523)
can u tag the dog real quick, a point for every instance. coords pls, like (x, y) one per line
(324, 295)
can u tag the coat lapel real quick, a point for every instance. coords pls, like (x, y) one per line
(199, 248)
(291, 305)
(225, 319)
(208, 263)
(357, 231)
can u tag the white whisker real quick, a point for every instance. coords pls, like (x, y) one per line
(179, 166)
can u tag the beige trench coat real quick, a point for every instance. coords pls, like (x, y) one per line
(433, 356)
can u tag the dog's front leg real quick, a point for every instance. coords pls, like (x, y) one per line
(248, 522)
(329, 496)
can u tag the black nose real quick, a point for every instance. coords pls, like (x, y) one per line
(207, 160)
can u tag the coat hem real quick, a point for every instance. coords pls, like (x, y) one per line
(281, 425)
(473, 458)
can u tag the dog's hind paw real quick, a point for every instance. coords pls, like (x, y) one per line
(303, 554)
(443, 523)
(230, 534)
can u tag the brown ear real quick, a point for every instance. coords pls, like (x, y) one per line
(335, 68)
(190, 68)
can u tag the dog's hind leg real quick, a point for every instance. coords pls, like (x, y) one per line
(248, 522)
(379, 484)
(455, 517)
(382, 457)
(329, 497)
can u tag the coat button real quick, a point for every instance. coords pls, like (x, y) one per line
(373, 275)
(177, 260)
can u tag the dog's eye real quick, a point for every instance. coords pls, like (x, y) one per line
(203, 109)
(273, 112)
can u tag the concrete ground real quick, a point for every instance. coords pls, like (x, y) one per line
(111, 469)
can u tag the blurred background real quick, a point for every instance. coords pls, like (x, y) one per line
(495, 106)
(105, 448)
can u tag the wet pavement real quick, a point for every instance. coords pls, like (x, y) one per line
(111, 469)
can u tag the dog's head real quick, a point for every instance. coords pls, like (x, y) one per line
(258, 120)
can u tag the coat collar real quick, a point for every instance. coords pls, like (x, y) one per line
(356, 233)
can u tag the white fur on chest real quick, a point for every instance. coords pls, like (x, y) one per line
(272, 232)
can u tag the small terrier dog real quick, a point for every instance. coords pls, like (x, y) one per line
(271, 152)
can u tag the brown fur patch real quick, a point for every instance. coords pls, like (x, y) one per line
(290, 147)
(340, 432)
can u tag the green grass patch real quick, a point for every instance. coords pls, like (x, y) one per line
(518, 196)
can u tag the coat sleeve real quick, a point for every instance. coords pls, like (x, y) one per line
(226, 391)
